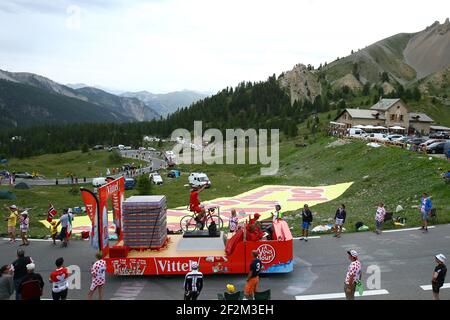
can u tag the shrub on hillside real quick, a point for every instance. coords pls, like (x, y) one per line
(115, 157)
(144, 185)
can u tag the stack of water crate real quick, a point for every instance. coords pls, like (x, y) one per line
(144, 222)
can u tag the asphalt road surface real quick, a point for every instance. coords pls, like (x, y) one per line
(150, 157)
(405, 260)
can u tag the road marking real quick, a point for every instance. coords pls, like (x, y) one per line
(129, 292)
(408, 229)
(37, 240)
(316, 237)
(429, 287)
(340, 295)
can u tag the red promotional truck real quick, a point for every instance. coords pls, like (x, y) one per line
(224, 254)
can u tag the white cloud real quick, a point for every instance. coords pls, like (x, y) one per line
(197, 44)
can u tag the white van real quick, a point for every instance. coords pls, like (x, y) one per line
(199, 179)
(355, 132)
(121, 146)
(98, 182)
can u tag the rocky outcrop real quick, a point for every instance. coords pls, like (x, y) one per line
(301, 83)
(429, 51)
(350, 81)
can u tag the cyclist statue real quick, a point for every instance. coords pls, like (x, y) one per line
(196, 207)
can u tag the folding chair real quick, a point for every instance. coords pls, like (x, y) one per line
(263, 295)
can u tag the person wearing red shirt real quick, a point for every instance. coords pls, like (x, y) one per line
(194, 203)
(59, 280)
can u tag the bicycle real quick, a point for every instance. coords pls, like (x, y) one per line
(189, 222)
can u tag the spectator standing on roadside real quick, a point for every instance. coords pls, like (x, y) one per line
(252, 283)
(24, 227)
(339, 217)
(58, 279)
(6, 282)
(98, 271)
(353, 275)
(193, 283)
(307, 218)
(32, 284)
(379, 217)
(64, 222)
(12, 222)
(19, 267)
(425, 210)
(439, 274)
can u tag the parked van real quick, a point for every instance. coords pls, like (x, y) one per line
(129, 183)
(199, 179)
(98, 182)
(355, 132)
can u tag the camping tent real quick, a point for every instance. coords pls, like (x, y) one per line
(22, 186)
(7, 195)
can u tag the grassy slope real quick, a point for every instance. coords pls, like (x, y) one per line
(88, 164)
(396, 176)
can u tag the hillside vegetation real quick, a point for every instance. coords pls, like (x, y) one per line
(389, 174)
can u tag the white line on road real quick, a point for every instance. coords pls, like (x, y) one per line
(408, 229)
(317, 237)
(429, 287)
(31, 240)
(340, 295)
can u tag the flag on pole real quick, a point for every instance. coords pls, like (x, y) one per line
(51, 213)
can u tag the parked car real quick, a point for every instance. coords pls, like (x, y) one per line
(174, 174)
(98, 182)
(440, 135)
(355, 132)
(156, 178)
(378, 136)
(98, 147)
(423, 146)
(199, 179)
(151, 149)
(142, 149)
(395, 137)
(129, 183)
(24, 175)
(436, 148)
(415, 141)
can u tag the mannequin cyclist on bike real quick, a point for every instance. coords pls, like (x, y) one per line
(195, 206)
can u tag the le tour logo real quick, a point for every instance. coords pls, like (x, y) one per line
(266, 253)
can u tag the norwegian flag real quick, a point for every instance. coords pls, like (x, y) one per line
(51, 213)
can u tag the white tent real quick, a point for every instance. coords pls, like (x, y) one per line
(380, 128)
(359, 126)
(397, 128)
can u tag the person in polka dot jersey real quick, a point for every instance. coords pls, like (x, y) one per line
(98, 272)
(353, 275)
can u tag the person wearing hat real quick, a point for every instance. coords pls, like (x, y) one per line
(12, 222)
(438, 275)
(31, 285)
(24, 226)
(193, 283)
(19, 267)
(353, 275)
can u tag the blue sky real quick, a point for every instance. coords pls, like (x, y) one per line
(203, 45)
